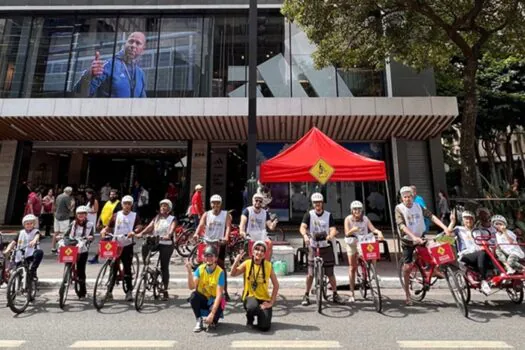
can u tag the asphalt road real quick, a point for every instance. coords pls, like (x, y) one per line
(495, 323)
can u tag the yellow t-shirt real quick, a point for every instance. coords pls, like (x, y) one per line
(208, 281)
(261, 292)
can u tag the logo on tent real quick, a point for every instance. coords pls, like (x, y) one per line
(322, 171)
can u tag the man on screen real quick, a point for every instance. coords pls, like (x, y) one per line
(120, 77)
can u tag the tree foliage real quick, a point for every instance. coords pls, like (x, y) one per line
(419, 33)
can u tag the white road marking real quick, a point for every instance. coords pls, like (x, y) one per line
(102, 344)
(453, 344)
(11, 343)
(288, 344)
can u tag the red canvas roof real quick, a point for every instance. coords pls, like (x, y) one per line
(294, 164)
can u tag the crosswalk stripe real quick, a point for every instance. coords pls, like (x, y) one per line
(101, 344)
(452, 344)
(11, 343)
(288, 344)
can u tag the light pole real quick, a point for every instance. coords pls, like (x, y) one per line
(252, 88)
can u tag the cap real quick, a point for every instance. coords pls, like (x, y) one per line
(198, 187)
(166, 201)
(406, 189)
(28, 217)
(260, 243)
(127, 199)
(216, 198)
(257, 195)
(317, 197)
(82, 209)
(467, 214)
(210, 250)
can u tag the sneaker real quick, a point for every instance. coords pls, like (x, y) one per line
(351, 299)
(337, 299)
(485, 288)
(129, 296)
(54, 251)
(109, 296)
(510, 270)
(306, 300)
(249, 321)
(199, 326)
(93, 260)
(165, 296)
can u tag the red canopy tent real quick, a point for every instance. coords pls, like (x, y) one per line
(295, 163)
(317, 154)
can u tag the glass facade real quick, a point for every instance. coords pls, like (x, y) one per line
(165, 55)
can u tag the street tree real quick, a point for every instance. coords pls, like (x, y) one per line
(419, 33)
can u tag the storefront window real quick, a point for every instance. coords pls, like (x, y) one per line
(14, 46)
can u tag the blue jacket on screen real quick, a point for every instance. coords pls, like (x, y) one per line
(128, 80)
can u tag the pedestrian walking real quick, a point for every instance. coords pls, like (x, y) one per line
(48, 208)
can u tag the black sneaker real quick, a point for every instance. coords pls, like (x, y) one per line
(249, 321)
(306, 300)
(337, 299)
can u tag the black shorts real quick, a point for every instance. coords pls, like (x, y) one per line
(408, 254)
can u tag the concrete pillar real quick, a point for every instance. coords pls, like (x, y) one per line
(7, 161)
(199, 166)
(399, 164)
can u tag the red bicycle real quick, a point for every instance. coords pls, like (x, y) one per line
(426, 261)
(68, 255)
(498, 278)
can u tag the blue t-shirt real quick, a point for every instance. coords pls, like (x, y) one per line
(197, 274)
(419, 200)
(128, 80)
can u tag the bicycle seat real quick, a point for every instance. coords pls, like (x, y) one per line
(318, 237)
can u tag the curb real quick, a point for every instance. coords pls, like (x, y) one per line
(284, 282)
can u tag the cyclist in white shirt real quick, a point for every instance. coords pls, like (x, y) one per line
(162, 227)
(318, 230)
(81, 230)
(468, 251)
(410, 221)
(255, 220)
(123, 224)
(214, 227)
(358, 229)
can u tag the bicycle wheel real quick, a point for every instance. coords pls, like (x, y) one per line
(17, 294)
(135, 269)
(516, 292)
(64, 286)
(362, 278)
(102, 284)
(416, 285)
(319, 286)
(463, 284)
(375, 290)
(456, 290)
(193, 258)
(183, 243)
(157, 285)
(140, 294)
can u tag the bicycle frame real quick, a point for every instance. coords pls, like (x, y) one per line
(425, 261)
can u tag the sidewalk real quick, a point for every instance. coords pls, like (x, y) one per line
(50, 271)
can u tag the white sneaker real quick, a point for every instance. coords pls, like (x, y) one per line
(510, 270)
(351, 299)
(485, 288)
(199, 326)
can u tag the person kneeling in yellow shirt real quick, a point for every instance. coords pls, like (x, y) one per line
(257, 274)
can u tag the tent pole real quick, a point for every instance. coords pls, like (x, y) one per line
(363, 196)
(396, 240)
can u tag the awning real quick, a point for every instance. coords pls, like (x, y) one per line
(302, 161)
(224, 119)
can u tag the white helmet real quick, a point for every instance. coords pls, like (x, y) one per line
(215, 198)
(28, 217)
(257, 195)
(498, 218)
(166, 201)
(82, 209)
(406, 189)
(317, 197)
(467, 214)
(127, 199)
(356, 205)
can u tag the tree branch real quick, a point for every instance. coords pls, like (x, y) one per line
(470, 16)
